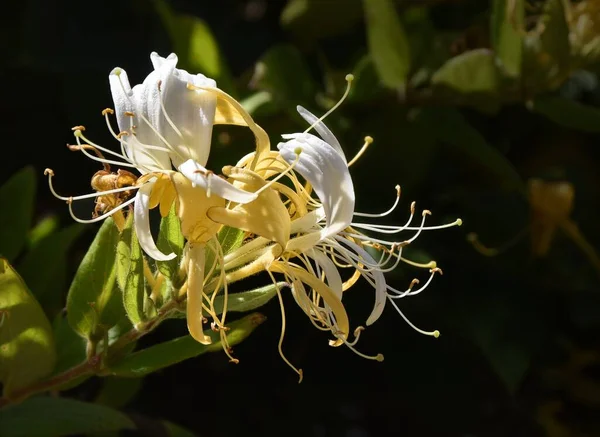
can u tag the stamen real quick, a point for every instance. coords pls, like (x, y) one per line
(99, 218)
(298, 371)
(435, 333)
(409, 292)
(145, 120)
(349, 79)
(79, 135)
(383, 214)
(368, 142)
(297, 151)
(48, 172)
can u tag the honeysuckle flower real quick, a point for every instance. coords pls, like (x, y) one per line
(327, 238)
(164, 130)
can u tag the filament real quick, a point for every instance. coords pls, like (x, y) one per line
(349, 79)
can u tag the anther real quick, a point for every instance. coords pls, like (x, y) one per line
(129, 114)
(78, 128)
(48, 171)
(107, 111)
(426, 212)
(413, 283)
(398, 190)
(437, 270)
(413, 207)
(159, 84)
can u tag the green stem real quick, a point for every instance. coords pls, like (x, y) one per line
(93, 365)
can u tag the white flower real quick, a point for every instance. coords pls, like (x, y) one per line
(163, 122)
(329, 236)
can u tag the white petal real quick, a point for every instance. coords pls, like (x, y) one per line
(380, 283)
(192, 112)
(327, 171)
(138, 101)
(331, 272)
(198, 175)
(322, 129)
(141, 221)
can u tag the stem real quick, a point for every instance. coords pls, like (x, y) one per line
(93, 365)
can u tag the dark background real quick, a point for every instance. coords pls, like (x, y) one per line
(517, 330)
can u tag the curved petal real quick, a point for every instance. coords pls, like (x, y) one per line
(380, 283)
(188, 116)
(327, 171)
(322, 129)
(141, 222)
(200, 176)
(332, 274)
(141, 101)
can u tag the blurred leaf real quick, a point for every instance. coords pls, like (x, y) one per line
(70, 347)
(131, 260)
(44, 267)
(42, 229)
(247, 300)
(568, 113)
(174, 351)
(52, 417)
(470, 72)
(283, 72)
(323, 18)
(174, 430)
(118, 392)
(452, 129)
(257, 103)
(17, 196)
(27, 346)
(507, 28)
(388, 44)
(195, 44)
(92, 300)
(507, 334)
(554, 36)
(170, 240)
(124, 253)
(366, 83)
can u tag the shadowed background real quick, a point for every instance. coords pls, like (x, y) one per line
(519, 352)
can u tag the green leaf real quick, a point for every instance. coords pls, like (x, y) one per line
(365, 85)
(323, 18)
(118, 392)
(44, 267)
(452, 129)
(230, 239)
(174, 351)
(16, 203)
(388, 43)
(70, 347)
(470, 72)
(247, 300)
(42, 229)
(568, 113)
(174, 430)
(26, 343)
(554, 36)
(283, 72)
(170, 240)
(132, 282)
(507, 28)
(52, 417)
(92, 300)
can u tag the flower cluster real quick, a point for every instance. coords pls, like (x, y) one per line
(295, 203)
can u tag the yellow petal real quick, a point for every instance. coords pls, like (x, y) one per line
(193, 205)
(324, 291)
(229, 111)
(157, 191)
(195, 286)
(167, 199)
(266, 216)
